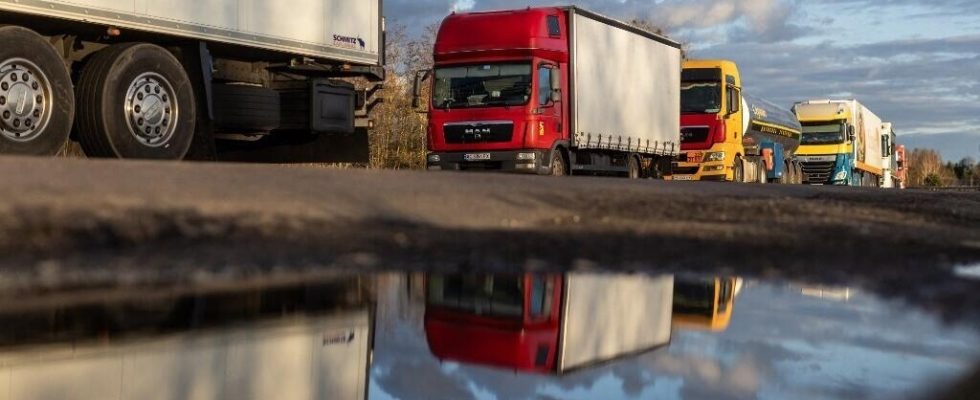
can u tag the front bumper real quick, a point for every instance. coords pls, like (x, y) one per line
(830, 169)
(517, 161)
(707, 171)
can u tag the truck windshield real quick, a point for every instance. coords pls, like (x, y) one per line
(490, 295)
(701, 97)
(482, 86)
(823, 133)
(694, 298)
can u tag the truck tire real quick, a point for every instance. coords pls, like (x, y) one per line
(787, 177)
(245, 108)
(135, 101)
(762, 176)
(633, 168)
(738, 170)
(36, 101)
(559, 167)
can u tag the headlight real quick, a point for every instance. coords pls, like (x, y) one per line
(527, 156)
(841, 176)
(434, 158)
(716, 156)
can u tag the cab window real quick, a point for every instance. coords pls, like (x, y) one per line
(544, 85)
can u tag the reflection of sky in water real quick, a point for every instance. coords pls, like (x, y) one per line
(780, 345)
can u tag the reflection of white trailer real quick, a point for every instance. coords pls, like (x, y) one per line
(608, 316)
(147, 79)
(302, 358)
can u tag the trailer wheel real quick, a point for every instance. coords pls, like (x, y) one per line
(246, 108)
(135, 101)
(559, 167)
(36, 101)
(762, 177)
(633, 171)
(787, 177)
(738, 170)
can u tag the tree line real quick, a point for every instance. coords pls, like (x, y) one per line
(927, 169)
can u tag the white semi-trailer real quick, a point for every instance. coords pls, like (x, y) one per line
(303, 358)
(160, 79)
(311, 341)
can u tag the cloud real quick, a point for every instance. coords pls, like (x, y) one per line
(767, 19)
(921, 85)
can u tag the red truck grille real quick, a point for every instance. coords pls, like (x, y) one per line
(479, 132)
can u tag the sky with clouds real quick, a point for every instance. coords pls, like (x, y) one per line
(914, 63)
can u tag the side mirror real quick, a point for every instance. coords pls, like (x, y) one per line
(420, 76)
(850, 133)
(734, 101)
(555, 86)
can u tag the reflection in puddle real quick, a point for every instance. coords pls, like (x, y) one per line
(412, 336)
(968, 271)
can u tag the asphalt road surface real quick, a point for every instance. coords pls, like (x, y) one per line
(77, 224)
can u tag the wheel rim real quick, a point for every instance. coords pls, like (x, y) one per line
(557, 166)
(25, 92)
(151, 109)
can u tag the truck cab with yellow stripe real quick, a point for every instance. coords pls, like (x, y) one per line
(842, 143)
(729, 136)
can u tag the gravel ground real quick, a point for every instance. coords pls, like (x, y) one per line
(85, 224)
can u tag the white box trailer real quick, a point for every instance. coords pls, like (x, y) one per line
(302, 358)
(869, 136)
(149, 79)
(606, 317)
(626, 87)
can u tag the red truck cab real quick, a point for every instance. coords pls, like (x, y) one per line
(504, 321)
(496, 101)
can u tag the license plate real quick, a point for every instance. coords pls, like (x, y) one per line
(695, 158)
(477, 157)
(683, 177)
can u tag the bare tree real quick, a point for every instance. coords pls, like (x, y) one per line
(398, 139)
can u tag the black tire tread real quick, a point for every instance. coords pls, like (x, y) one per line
(90, 89)
(242, 106)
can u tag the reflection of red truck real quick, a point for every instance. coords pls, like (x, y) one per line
(550, 91)
(546, 323)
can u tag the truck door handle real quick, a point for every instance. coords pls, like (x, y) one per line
(558, 127)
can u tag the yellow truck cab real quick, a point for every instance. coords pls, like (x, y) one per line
(729, 136)
(842, 143)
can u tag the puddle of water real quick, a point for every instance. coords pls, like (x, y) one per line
(530, 336)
